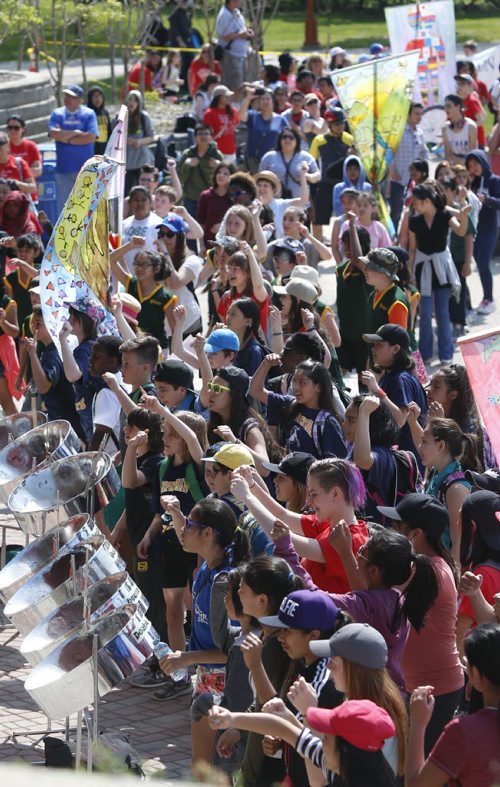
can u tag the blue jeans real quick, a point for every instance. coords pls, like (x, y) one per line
(64, 183)
(484, 246)
(396, 202)
(441, 298)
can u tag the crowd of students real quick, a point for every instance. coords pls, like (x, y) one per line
(326, 560)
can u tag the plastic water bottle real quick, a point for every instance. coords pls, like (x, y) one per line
(161, 649)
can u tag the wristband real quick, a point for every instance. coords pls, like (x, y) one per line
(381, 393)
(278, 333)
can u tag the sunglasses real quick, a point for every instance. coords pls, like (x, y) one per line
(237, 193)
(190, 523)
(215, 388)
(287, 136)
(166, 234)
(14, 128)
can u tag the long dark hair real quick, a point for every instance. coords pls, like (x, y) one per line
(148, 422)
(463, 408)
(239, 260)
(359, 768)
(159, 262)
(251, 311)
(432, 191)
(392, 554)
(179, 254)
(219, 516)
(462, 447)
(435, 543)
(474, 549)
(319, 375)
(273, 577)
(383, 428)
(294, 319)
(230, 111)
(288, 130)
(482, 647)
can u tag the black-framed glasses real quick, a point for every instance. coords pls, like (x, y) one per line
(141, 265)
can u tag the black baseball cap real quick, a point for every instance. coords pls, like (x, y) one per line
(483, 508)
(391, 333)
(289, 244)
(419, 510)
(175, 373)
(296, 465)
(236, 378)
(489, 480)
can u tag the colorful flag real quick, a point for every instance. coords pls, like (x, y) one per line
(429, 29)
(376, 98)
(481, 354)
(76, 261)
(116, 149)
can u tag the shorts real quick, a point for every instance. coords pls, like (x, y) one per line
(353, 354)
(178, 566)
(210, 679)
(323, 203)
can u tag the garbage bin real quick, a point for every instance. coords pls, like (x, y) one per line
(46, 183)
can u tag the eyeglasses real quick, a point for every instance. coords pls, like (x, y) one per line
(141, 265)
(190, 523)
(166, 234)
(215, 388)
(14, 128)
(360, 553)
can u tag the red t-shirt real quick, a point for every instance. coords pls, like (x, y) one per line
(223, 126)
(198, 72)
(10, 170)
(468, 749)
(27, 150)
(134, 78)
(489, 586)
(226, 301)
(473, 108)
(330, 576)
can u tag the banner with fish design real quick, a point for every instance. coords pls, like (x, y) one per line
(376, 98)
(76, 261)
(481, 355)
(429, 29)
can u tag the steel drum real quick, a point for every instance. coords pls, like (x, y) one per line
(66, 621)
(62, 489)
(63, 683)
(47, 443)
(39, 553)
(13, 426)
(56, 583)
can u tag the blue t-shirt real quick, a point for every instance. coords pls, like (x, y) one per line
(263, 134)
(300, 436)
(59, 401)
(201, 633)
(191, 402)
(250, 356)
(86, 387)
(382, 477)
(403, 388)
(70, 158)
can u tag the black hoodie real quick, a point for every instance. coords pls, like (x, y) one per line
(489, 185)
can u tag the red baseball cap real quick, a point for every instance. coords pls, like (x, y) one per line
(360, 722)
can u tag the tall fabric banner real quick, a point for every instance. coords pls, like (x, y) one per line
(481, 354)
(116, 149)
(376, 98)
(487, 62)
(429, 29)
(76, 260)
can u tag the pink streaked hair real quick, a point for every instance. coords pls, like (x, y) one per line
(341, 473)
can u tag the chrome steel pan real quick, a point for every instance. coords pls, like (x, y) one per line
(13, 426)
(63, 682)
(103, 597)
(42, 551)
(47, 443)
(62, 489)
(56, 583)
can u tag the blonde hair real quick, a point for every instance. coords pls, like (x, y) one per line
(298, 498)
(362, 683)
(244, 214)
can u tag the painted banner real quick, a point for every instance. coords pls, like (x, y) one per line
(116, 149)
(76, 261)
(376, 97)
(429, 29)
(481, 354)
(487, 63)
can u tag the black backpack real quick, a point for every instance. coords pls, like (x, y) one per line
(408, 479)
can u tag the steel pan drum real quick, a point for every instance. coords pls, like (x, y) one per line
(63, 682)
(42, 551)
(13, 426)
(61, 490)
(55, 584)
(66, 621)
(47, 443)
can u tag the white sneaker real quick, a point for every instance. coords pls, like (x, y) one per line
(486, 307)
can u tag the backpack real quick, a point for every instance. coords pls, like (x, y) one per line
(408, 479)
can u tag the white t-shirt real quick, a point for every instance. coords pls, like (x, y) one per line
(144, 228)
(278, 205)
(106, 411)
(185, 296)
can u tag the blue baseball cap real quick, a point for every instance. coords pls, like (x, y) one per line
(376, 49)
(306, 610)
(222, 339)
(74, 90)
(174, 223)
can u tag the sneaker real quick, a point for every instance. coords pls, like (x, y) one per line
(486, 307)
(148, 679)
(173, 689)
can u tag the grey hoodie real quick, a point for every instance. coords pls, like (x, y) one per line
(137, 157)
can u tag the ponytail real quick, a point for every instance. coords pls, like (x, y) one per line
(421, 592)
(216, 514)
(462, 447)
(273, 577)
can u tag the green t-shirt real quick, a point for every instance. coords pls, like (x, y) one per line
(151, 318)
(382, 305)
(353, 306)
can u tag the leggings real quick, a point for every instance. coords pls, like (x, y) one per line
(484, 246)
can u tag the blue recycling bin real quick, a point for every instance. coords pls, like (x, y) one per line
(46, 183)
